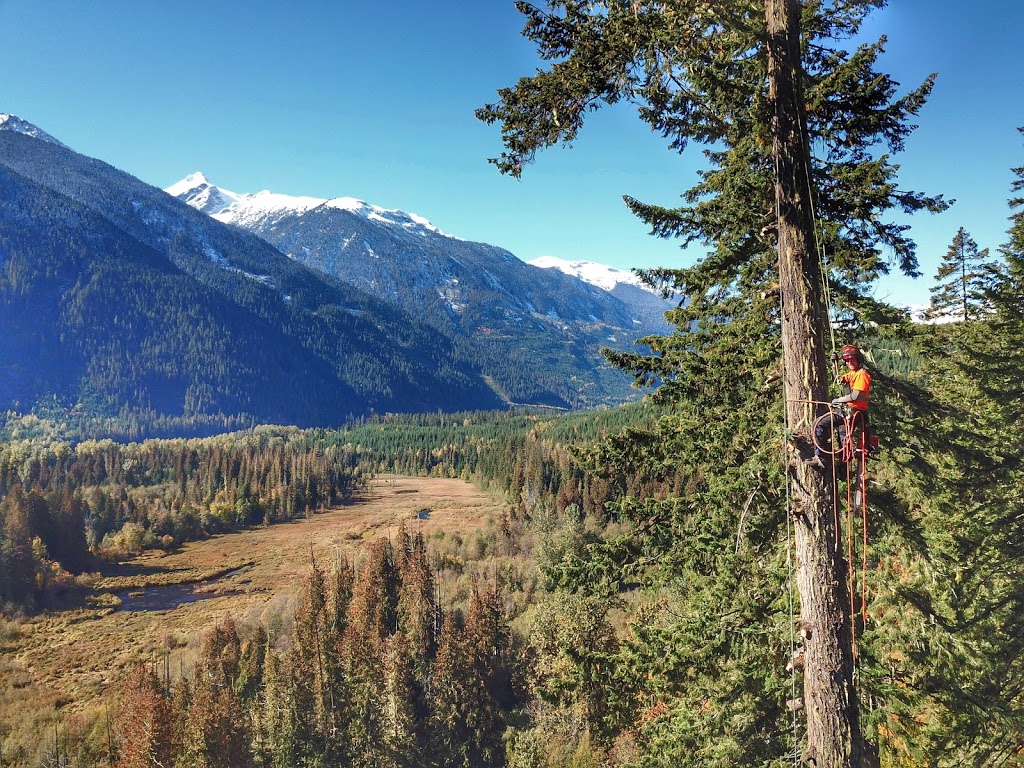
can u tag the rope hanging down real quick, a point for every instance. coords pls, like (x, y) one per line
(848, 448)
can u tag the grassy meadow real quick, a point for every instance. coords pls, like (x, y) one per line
(60, 668)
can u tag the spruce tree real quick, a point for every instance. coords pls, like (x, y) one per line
(759, 84)
(310, 668)
(451, 703)
(962, 281)
(371, 620)
(277, 725)
(400, 725)
(417, 610)
(216, 731)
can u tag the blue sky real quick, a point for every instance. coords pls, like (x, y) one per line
(376, 101)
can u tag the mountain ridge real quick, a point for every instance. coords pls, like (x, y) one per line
(550, 325)
(194, 320)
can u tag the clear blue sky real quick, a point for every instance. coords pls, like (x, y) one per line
(376, 100)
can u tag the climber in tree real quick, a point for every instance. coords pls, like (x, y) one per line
(857, 388)
(856, 381)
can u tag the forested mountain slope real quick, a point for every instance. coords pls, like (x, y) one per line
(537, 332)
(123, 301)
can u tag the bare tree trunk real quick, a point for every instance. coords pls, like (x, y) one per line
(830, 701)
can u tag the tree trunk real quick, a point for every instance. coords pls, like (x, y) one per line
(830, 701)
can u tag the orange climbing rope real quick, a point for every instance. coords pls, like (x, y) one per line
(850, 448)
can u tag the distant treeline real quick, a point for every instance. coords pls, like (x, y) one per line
(59, 505)
(527, 456)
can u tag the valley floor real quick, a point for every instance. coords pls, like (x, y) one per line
(66, 660)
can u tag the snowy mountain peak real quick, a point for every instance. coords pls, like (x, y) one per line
(252, 209)
(193, 180)
(601, 275)
(16, 124)
(196, 190)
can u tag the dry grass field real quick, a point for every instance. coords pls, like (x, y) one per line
(59, 665)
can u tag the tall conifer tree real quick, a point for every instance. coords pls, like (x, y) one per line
(956, 656)
(963, 280)
(144, 725)
(311, 669)
(758, 82)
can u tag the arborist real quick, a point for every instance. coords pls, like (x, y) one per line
(857, 387)
(856, 381)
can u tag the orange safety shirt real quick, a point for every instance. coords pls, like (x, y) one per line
(861, 381)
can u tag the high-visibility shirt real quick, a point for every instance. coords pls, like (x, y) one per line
(861, 381)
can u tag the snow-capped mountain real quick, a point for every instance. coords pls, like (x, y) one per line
(922, 313)
(201, 194)
(601, 275)
(646, 302)
(537, 321)
(254, 210)
(267, 212)
(16, 124)
(130, 300)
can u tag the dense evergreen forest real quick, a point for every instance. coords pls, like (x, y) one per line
(378, 673)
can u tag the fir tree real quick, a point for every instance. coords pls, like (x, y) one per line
(962, 281)
(572, 677)
(276, 727)
(251, 666)
(311, 672)
(448, 698)
(371, 621)
(216, 728)
(739, 78)
(417, 611)
(951, 648)
(469, 683)
(18, 566)
(490, 679)
(401, 726)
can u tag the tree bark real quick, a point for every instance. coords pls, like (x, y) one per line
(830, 701)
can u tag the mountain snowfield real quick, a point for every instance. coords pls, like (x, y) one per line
(402, 257)
(247, 210)
(254, 210)
(14, 123)
(547, 325)
(392, 253)
(601, 275)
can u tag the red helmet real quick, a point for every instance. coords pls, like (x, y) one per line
(850, 352)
